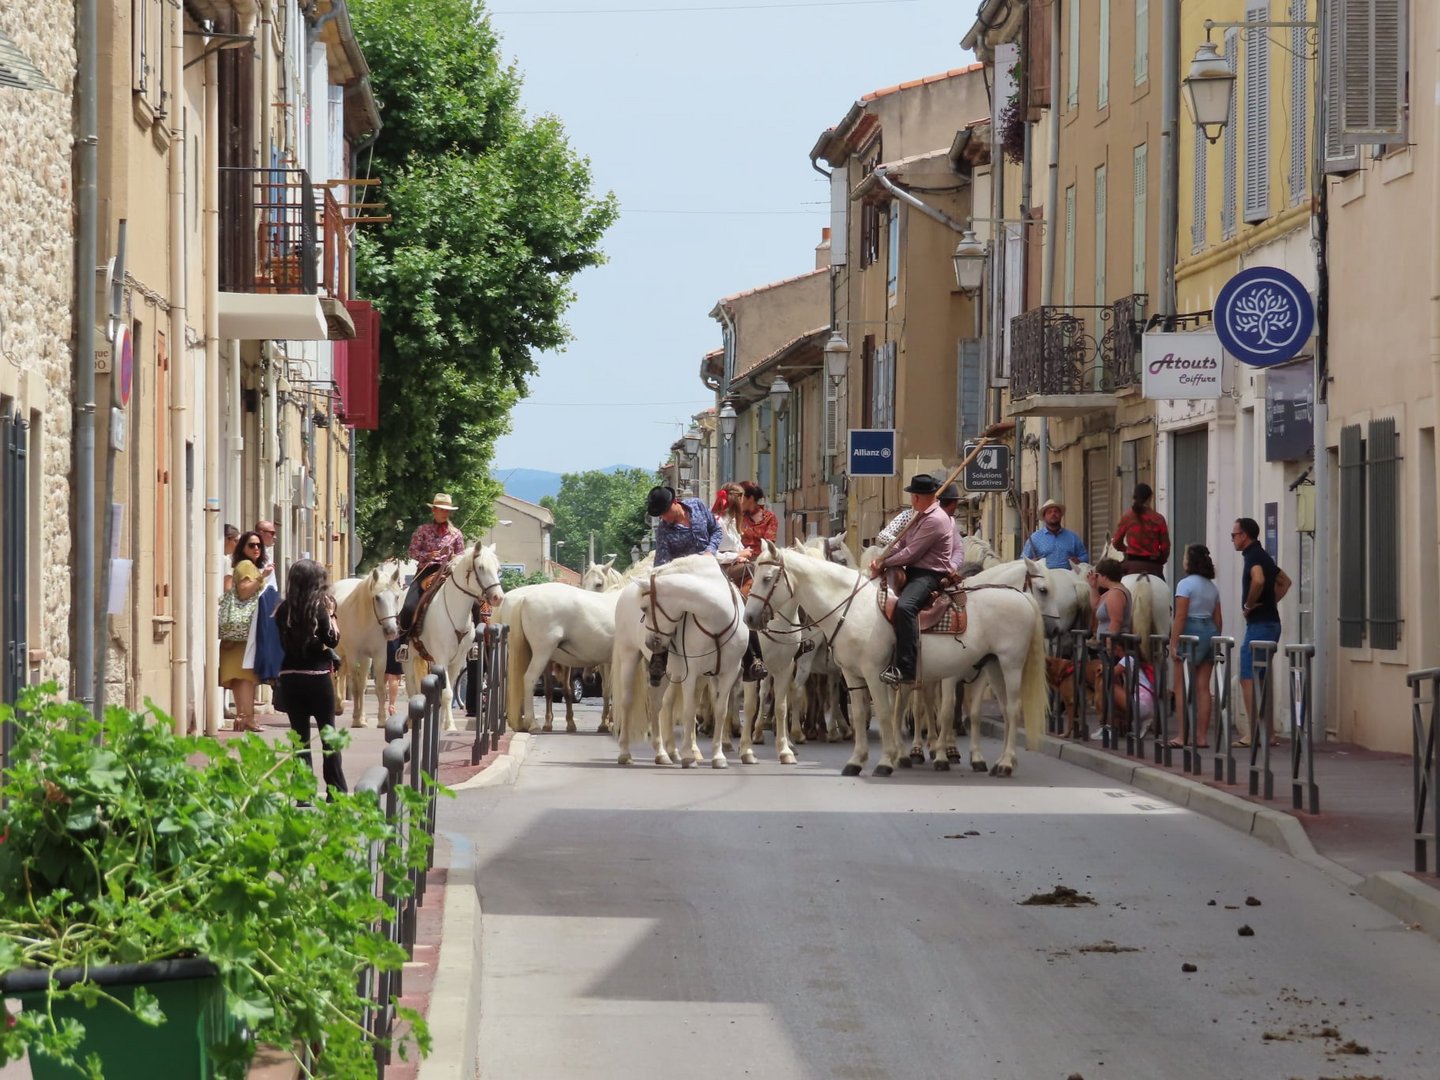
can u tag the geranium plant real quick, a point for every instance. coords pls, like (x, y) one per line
(122, 842)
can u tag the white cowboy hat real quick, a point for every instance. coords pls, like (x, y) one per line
(442, 502)
(1048, 503)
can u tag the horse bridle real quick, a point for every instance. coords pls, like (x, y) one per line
(813, 624)
(719, 638)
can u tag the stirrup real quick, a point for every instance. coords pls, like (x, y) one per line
(402, 652)
(806, 645)
(891, 676)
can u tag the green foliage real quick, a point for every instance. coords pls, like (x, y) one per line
(115, 848)
(611, 505)
(513, 579)
(494, 215)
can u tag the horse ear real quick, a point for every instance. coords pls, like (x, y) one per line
(839, 539)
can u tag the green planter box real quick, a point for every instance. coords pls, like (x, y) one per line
(189, 994)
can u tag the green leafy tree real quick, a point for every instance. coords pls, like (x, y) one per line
(494, 215)
(610, 505)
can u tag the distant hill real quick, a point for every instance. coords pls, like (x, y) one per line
(532, 485)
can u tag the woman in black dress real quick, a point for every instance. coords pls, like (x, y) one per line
(309, 634)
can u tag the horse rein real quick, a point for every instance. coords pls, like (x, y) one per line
(718, 638)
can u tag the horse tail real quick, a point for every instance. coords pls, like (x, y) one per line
(1144, 614)
(518, 661)
(1034, 690)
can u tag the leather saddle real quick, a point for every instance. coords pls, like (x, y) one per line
(429, 589)
(944, 614)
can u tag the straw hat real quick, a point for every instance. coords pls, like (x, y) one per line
(442, 501)
(1048, 503)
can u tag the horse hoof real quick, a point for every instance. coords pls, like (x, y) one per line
(978, 766)
(548, 727)
(663, 759)
(571, 728)
(835, 737)
(798, 738)
(719, 763)
(787, 758)
(748, 758)
(626, 759)
(952, 755)
(850, 770)
(907, 762)
(942, 766)
(1001, 770)
(917, 756)
(686, 763)
(884, 770)
(759, 739)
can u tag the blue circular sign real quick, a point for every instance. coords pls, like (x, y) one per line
(1264, 316)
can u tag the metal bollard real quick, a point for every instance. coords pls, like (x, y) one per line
(1160, 661)
(1302, 742)
(1222, 711)
(1079, 729)
(1108, 737)
(1134, 731)
(475, 692)
(1262, 728)
(1425, 763)
(1190, 712)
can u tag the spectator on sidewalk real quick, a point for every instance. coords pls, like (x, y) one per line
(232, 537)
(249, 570)
(1052, 543)
(1259, 583)
(1197, 613)
(308, 632)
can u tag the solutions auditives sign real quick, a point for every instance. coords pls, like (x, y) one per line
(1181, 366)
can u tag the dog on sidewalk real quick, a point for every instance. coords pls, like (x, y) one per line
(1060, 676)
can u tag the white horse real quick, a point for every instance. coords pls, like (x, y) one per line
(449, 629)
(831, 549)
(366, 612)
(553, 623)
(1150, 612)
(1004, 639)
(602, 577)
(690, 609)
(976, 550)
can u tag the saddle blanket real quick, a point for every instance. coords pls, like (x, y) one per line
(945, 614)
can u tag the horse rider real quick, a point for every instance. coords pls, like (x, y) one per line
(432, 546)
(949, 500)
(1057, 546)
(1142, 536)
(924, 553)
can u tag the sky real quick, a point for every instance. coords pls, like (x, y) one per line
(699, 115)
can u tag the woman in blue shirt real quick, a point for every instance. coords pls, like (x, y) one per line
(1197, 612)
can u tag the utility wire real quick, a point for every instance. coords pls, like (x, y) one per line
(705, 7)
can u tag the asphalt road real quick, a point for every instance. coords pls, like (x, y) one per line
(785, 922)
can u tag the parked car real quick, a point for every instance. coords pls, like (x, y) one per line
(582, 684)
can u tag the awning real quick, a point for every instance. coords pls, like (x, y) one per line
(265, 316)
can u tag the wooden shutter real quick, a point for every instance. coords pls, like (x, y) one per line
(1142, 170)
(1142, 41)
(1340, 157)
(970, 392)
(1352, 537)
(1070, 246)
(1200, 196)
(831, 433)
(1100, 200)
(1229, 196)
(1102, 97)
(1382, 490)
(1299, 106)
(1257, 119)
(1038, 43)
(1373, 54)
(1072, 61)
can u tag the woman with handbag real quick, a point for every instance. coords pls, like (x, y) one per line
(248, 573)
(309, 634)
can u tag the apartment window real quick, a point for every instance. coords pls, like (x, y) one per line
(1070, 246)
(1072, 70)
(869, 234)
(1299, 106)
(1369, 535)
(1257, 119)
(892, 245)
(1199, 195)
(149, 42)
(1142, 41)
(1374, 57)
(970, 392)
(1102, 97)
(882, 402)
(1100, 198)
(1142, 160)
(794, 442)
(1231, 181)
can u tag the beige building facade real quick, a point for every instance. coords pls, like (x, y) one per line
(522, 535)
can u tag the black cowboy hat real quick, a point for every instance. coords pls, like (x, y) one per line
(922, 484)
(658, 501)
(950, 493)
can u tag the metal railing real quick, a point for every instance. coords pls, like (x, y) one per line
(1425, 763)
(1262, 725)
(487, 685)
(14, 539)
(268, 231)
(1076, 349)
(1304, 793)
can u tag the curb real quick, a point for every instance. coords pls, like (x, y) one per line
(1394, 891)
(456, 992)
(504, 769)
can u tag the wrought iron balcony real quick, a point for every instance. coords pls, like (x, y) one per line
(1066, 360)
(268, 232)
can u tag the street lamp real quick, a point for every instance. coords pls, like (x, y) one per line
(780, 395)
(837, 357)
(727, 421)
(692, 441)
(1209, 91)
(969, 258)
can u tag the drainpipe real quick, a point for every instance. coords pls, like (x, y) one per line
(1026, 183)
(727, 449)
(910, 200)
(1169, 151)
(215, 398)
(180, 633)
(86, 255)
(1052, 197)
(1001, 524)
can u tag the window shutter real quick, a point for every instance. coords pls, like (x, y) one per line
(831, 434)
(1100, 198)
(970, 397)
(1142, 41)
(1200, 197)
(1257, 119)
(1228, 204)
(1352, 537)
(1038, 91)
(887, 383)
(1339, 158)
(1070, 246)
(839, 215)
(1103, 93)
(1137, 276)
(1382, 488)
(1373, 54)
(1299, 105)
(1072, 62)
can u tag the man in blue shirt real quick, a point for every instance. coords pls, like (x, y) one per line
(1060, 548)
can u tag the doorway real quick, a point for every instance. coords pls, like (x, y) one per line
(1189, 493)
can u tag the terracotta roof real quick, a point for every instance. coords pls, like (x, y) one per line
(773, 285)
(794, 343)
(952, 73)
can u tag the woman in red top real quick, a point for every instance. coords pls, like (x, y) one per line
(756, 522)
(1142, 536)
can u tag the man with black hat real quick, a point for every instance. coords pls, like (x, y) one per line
(949, 500)
(923, 552)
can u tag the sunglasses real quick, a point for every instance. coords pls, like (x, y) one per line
(253, 543)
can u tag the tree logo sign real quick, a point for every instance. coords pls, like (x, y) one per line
(1264, 316)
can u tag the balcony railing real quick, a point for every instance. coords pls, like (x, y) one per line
(268, 241)
(1083, 349)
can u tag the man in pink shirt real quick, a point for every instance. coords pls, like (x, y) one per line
(923, 551)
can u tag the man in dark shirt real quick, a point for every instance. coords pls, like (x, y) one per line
(1259, 601)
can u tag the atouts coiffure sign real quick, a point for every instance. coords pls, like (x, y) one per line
(1182, 366)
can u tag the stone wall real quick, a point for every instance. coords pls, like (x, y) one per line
(36, 290)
